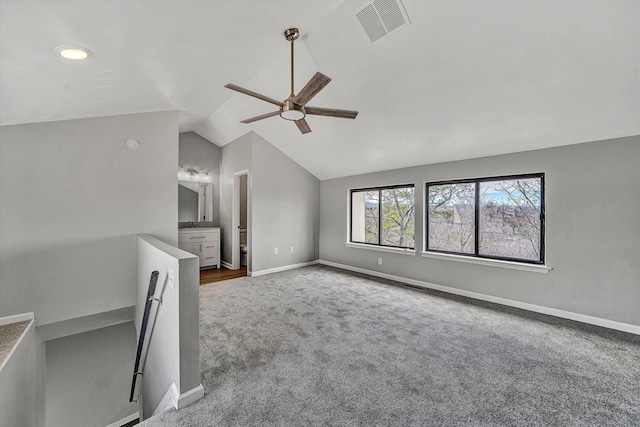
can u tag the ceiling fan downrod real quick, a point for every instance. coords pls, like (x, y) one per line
(291, 35)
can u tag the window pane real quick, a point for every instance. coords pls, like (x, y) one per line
(398, 217)
(364, 216)
(372, 206)
(357, 216)
(510, 225)
(452, 217)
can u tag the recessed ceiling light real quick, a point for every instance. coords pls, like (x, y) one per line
(75, 53)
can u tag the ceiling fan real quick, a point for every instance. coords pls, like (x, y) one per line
(295, 107)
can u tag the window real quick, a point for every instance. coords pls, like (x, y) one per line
(500, 218)
(383, 216)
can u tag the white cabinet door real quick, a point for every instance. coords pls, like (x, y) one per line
(209, 255)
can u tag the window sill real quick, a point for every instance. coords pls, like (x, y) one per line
(400, 251)
(492, 262)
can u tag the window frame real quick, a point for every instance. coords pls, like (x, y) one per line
(476, 245)
(380, 189)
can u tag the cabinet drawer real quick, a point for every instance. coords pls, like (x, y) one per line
(209, 250)
(192, 238)
(208, 261)
(198, 236)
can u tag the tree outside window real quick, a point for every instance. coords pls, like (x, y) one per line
(500, 218)
(384, 216)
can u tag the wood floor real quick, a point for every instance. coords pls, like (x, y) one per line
(220, 274)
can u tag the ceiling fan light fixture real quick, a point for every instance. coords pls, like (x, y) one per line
(290, 111)
(75, 53)
(292, 115)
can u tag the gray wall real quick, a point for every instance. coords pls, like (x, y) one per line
(283, 205)
(199, 153)
(592, 229)
(236, 157)
(71, 198)
(100, 363)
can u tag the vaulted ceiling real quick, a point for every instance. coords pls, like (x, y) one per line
(463, 79)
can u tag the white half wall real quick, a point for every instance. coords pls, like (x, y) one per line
(72, 198)
(171, 355)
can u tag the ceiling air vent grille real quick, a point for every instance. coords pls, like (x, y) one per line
(380, 17)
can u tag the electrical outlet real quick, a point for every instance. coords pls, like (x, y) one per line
(291, 249)
(275, 251)
(379, 261)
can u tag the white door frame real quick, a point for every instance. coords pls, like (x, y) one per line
(235, 220)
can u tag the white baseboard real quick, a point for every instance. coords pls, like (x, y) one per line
(125, 420)
(190, 396)
(225, 264)
(283, 268)
(598, 321)
(174, 399)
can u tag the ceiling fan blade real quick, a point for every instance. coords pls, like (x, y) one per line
(311, 89)
(331, 112)
(303, 126)
(260, 117)
(254, 94)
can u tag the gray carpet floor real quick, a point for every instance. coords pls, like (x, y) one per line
(322, 346)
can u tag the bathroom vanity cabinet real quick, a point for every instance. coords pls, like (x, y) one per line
(203, 242)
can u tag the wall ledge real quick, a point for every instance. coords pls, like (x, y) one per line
(537, 268)
(16, 318)
(78, 325)
(584, 318)
(400, 251)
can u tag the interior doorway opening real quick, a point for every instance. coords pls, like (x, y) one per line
(241, 241)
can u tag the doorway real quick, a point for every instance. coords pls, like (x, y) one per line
(241, 247)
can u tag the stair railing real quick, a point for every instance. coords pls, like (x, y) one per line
(143, 330)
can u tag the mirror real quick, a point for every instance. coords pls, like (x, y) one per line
(195, 201)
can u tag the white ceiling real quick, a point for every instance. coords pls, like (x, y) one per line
(465, 79)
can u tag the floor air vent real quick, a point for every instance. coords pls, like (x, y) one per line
(380, 17)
